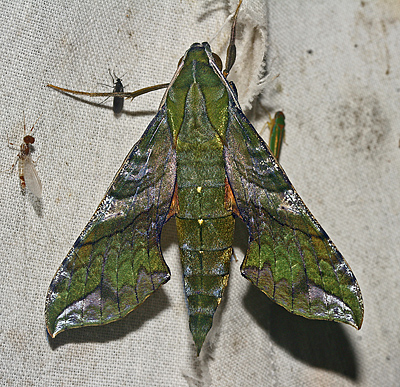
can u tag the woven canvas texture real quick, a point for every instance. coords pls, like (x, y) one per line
(332, 67)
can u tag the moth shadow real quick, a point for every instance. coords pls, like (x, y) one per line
(321, 344)
(155, 304)
(209, 12)
(169, 235)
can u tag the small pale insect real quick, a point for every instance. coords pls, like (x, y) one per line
(26, 167)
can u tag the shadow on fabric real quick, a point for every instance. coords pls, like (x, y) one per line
(321, 344)
(155, 304)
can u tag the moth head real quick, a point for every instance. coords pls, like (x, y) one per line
(216, 58)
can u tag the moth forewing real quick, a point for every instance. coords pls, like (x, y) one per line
(290, 257)
(116, 262)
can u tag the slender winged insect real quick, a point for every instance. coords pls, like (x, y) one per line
(202, 162)
(118, 102)
(118, 87)
(26, 168)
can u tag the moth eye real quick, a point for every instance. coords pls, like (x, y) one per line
(217, 61)
(180, 61)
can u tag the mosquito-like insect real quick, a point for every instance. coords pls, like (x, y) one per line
(26, 166)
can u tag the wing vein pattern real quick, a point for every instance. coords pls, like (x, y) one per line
(116, 262)
(289, 257)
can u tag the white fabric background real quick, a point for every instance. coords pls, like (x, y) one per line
(339, 86)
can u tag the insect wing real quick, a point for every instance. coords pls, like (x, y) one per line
(116, 263)
(289, 257)
(31, 176)
(118, 102)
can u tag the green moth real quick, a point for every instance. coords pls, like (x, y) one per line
(201, 161)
